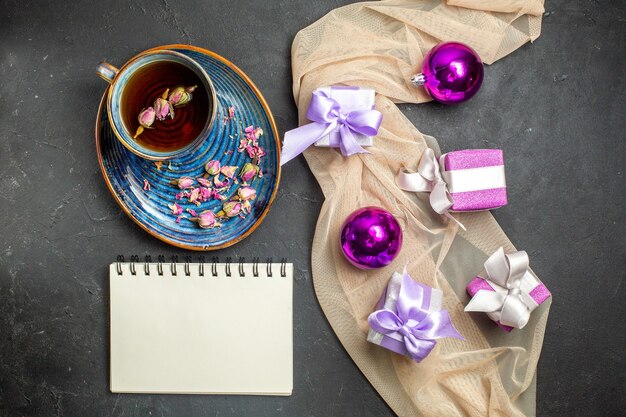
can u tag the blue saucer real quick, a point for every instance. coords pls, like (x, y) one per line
(125, 172)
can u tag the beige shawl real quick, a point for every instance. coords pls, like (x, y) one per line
(380, 45)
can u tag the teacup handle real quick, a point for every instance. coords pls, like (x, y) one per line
(106, 71)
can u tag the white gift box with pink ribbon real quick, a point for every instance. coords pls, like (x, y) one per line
(351, 99)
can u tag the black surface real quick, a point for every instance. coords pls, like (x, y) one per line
(556, 108)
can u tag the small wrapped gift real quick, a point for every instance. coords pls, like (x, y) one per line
(509, 293)
(475, 179)
(350, 99)
(341, 117)
(470, 180)
(408, 318)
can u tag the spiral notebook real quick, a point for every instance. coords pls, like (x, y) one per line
(201, 328)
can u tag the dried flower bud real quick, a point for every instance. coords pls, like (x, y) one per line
(146, 119)
(213, 167)
(247, 193)
(185, 182)
(229, 171)
(177, 95)
(206, 220)
(248, 172)
(181, 96)
(163, 108)
(231, 208)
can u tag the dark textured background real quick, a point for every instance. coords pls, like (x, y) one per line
(556, 108)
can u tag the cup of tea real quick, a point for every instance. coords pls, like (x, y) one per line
(152, 84)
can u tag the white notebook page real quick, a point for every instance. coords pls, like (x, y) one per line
(201, 334)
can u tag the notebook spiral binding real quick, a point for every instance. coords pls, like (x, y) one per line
(134, 261)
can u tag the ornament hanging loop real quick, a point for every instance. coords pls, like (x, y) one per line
(418, 80)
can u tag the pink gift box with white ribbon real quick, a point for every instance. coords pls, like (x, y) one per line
(533, 297)
(475, 179)
(509, 293)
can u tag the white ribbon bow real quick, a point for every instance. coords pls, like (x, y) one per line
(428, 179)
(509, 303)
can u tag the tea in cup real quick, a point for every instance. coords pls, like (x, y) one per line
(161, 104)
